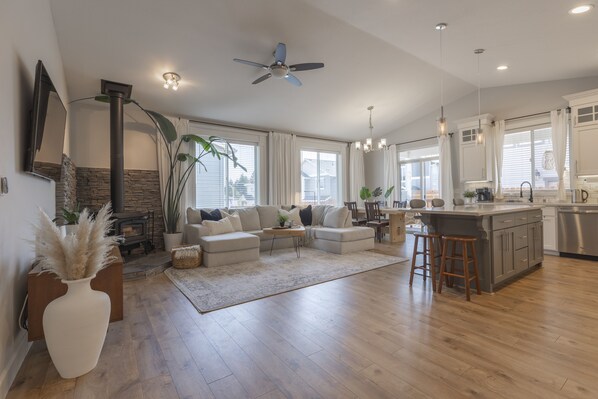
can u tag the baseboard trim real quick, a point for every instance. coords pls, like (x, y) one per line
(10, 371)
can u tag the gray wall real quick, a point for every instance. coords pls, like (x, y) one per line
(26, 35)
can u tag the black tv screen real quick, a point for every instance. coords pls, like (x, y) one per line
(45, 141)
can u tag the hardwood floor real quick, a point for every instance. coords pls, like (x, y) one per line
(366, 336)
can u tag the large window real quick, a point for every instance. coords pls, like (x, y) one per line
(320, 178)
(528, 155)
(220, 184)
(420, 173)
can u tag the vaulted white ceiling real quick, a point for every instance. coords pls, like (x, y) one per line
(377, 52)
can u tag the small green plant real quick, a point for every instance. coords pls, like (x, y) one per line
(70, 217)
(282, 219)
(365, 193)
(469, 194)
(389, 192)
(377, 192)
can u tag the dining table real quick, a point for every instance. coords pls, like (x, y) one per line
(396, 217)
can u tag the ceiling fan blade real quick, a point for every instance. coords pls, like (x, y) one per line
(280, 55)
(261, 79)
(306, 67)
(255, 64)
(293, 79)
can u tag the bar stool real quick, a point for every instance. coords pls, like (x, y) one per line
(464, 257)
(428, 267)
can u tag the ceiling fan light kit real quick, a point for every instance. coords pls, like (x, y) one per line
(171, 80)
(278, 69)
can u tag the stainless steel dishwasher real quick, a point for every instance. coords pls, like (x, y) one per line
(578, 230)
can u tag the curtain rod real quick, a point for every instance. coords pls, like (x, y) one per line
(424, 139)
(536, 114)
(262, 130)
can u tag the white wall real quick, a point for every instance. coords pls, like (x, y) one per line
(20, 48)
(90, 137)
(502, 102)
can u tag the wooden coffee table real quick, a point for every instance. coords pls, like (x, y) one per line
(296, 233)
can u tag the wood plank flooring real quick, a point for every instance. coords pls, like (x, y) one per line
(364, 336)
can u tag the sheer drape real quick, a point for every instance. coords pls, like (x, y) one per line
(559, 120)
(182, 128)
(281, 168)
(356, 174)
(499, 140)
(446, 174)
(391, 173)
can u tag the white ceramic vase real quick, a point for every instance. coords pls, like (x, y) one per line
(75, 327)
(172, 240)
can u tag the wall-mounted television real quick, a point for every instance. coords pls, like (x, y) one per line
(45, 139)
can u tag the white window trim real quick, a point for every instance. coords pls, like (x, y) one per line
(240, 136)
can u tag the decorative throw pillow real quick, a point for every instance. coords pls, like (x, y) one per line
(293, 216)
(336, 217)
(213, 215)
(268, 215)
(235, 220)
(318, 212)
(219, 227)
(305, 214)
(193, 216)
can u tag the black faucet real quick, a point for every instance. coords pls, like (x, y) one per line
(531, 191)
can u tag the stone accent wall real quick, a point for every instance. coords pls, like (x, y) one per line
(142, 193)
(66, 188)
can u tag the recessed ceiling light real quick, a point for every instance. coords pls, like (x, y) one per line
(502, 67)
(581, 9)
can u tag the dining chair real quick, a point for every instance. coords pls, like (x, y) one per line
(437, 202)
(418, 204)
(375, 220)
(399, 204)
(357, 221)
(458, 201)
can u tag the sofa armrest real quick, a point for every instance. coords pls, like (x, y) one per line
(193, 232)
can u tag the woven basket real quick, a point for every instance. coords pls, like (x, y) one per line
(186, 256)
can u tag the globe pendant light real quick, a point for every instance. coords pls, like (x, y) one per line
(479, 132)
(442, 129)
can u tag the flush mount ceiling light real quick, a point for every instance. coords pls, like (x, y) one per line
(502, 67)
(581, 9)
(171, 79)
(369, 145)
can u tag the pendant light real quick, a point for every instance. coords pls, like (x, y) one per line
(442, 129)
(480, 132)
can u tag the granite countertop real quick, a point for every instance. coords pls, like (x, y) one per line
(486, 209)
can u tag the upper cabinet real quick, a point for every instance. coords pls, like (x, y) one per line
(584, 117)
(475, 152)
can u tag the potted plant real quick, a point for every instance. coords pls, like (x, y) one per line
(181, 164)
(282, 219)
(388, 193)
(469, 195)
(365, 193)
(75, 324)
(70, 219)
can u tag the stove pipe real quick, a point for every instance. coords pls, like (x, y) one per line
(118, 93)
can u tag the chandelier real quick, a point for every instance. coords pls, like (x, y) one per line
(369, 142)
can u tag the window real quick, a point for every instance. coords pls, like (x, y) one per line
(527, 155)
(319, 178)
(220, 184)
(420, 173)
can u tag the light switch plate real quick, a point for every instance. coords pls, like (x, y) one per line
(4, 185)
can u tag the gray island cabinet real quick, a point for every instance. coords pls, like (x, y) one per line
(510, 237)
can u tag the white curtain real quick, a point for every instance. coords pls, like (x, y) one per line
(282, 171)
(446, 173)
(391, 173)
(356, 173)
(182, 128)
(499, 141)
(560, 123)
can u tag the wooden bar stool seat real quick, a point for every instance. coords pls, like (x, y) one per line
(431, 241)
(464, 256)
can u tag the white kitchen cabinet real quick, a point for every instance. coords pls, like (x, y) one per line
(475, 158)
(550, 229)
(584, 117)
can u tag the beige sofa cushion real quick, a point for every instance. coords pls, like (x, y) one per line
(221, 226)
(336, 217)
(318, 212)
(235, 220)
(293, 215)
(250, 219)
(344, 234)
(194, 214)
(229, 242)
(268, 215)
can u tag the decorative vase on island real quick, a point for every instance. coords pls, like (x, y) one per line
(75, 327)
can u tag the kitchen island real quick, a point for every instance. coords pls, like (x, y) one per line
(510, 237)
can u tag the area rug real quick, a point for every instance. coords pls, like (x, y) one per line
(219, 287)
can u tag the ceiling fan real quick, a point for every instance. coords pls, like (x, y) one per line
(279, 69)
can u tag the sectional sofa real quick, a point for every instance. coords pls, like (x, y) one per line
(331, 229)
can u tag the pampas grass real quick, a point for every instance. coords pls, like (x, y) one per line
(79, 255)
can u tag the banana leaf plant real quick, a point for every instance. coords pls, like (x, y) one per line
(181, 163)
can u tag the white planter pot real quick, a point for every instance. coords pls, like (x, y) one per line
(172, 240)
(71, 228)
(75, 327)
